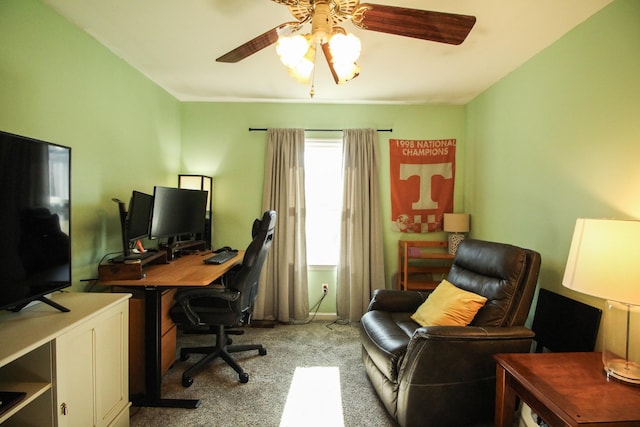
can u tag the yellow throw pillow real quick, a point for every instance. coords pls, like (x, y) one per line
(448, 305)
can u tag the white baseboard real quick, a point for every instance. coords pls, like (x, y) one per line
(324, 317)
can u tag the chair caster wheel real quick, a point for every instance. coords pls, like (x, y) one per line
(244, 377)
(187, 381)
(229, 341)
(262, 351)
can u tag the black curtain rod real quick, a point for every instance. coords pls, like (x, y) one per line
(317, 130)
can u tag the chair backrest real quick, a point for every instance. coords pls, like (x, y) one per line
(563, 324)
(505, 274)
(247, 277)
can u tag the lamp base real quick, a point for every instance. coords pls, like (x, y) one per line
(621, 349)
(622, 370)
(454, 240)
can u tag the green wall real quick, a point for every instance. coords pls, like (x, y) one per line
(559, 139)
(58, 84)
(216, 141)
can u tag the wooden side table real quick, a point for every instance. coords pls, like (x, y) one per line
(422, 264)
(564, 389)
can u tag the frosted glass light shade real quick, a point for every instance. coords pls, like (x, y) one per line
(291, 50)
(345, 48)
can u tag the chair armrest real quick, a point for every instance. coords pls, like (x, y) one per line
(185, 296)
(473, 333)
(206, 292)
(460, 353)
(453, 363)
(397, 301)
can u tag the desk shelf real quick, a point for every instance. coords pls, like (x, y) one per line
(108, 270)
(422, 264)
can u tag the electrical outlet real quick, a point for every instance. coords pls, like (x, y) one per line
(325, 288)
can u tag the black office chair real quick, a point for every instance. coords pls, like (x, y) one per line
(219, 308)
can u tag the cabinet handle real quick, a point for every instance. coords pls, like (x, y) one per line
(63, 409)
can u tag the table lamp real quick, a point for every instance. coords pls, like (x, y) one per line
(456, 224)
(604, 262)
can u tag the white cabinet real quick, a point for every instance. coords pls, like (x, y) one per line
(74, 366)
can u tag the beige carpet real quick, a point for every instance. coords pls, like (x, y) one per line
(261, 401)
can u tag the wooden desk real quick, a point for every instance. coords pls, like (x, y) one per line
(564, 389)
(188, 270)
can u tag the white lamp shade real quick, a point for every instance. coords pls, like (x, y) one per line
(604, 260)
(456, 222)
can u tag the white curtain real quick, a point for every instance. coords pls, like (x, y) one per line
(283, 294)
(361, 265)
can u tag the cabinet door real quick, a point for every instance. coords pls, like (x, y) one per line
(112, 364)
(75, 379)
(92, 370)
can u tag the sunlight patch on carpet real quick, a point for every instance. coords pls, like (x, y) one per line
(314, 398)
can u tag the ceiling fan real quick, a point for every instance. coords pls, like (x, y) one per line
(326, 15)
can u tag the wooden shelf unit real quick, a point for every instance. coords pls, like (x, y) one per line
(422, 264)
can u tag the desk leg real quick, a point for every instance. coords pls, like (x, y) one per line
(505, 398)
(153, 351)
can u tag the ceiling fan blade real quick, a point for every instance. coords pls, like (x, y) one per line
(258, 43)
(440, 27)
(329, 58)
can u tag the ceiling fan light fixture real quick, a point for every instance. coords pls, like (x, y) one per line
(345, 48)
(292, 49)
(346, 71)
(303, 68)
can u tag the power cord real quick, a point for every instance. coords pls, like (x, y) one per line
(316, 306)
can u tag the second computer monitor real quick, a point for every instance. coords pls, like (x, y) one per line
(139, 215)
(177, 212)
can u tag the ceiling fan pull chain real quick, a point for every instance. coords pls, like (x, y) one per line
(312, 91)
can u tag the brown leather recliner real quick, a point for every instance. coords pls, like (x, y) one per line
(445, 375)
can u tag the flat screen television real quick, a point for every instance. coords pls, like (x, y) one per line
(35, 220)
(177, 213)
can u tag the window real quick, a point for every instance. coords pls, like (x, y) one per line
(323, 196)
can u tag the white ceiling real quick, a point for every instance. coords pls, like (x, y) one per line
(175, 42)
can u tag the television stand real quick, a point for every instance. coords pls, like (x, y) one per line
(44, 300)
(53, 304)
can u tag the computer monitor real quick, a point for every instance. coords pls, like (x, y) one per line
(177, 213)
(139, 216)
(134, 224)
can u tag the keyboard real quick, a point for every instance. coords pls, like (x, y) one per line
(220, 258)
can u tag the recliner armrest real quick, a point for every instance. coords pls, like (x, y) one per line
(460, 353)
(443, 363)
(474, 333)
(393, 300)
